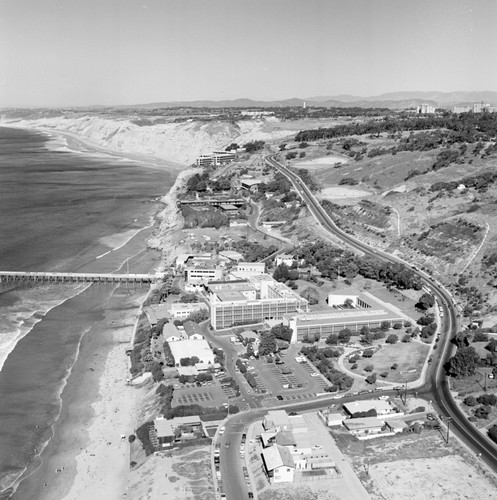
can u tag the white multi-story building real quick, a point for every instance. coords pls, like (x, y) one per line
(249, 302)
(425, 109)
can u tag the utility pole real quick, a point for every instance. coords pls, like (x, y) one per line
(448, 420)
(405, 393)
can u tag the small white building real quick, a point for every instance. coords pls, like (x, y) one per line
(284, 259)
(238, 223)
(247, 269)
(382, 407)
(364, 427)
(276, 420)
(182, 310)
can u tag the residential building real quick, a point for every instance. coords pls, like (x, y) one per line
(381, 406)
(279, 464)
(178, 429)
(396, 426)
(171, 333)
(364, 427)
(269, 300)
(156, 313)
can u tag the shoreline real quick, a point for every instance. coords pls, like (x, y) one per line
(96, 402)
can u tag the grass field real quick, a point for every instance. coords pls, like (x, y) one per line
(408, 356)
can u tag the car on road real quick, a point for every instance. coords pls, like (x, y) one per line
(221, 430)
(314, 374)
(250, 494)
(385, 398)
(280, 397)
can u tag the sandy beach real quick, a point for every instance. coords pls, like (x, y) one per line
(89, 454)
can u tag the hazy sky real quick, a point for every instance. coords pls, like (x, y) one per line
(78, 52)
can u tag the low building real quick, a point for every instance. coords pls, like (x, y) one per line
(192, 348)
(381, 406)
(178, 429)
(284, 258)
(395, 426)
(230, 256)
(364, 427)
(203, 272)
(216, 158)
(238, 223)
(279, 464)
(171, 333)
(251, 185)
(229, 209)
(156, 313)
(276, 420)
(331, 418)
(318, 324)
(182, 310)
(248, 269)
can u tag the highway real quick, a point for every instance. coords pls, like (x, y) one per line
(435, 389)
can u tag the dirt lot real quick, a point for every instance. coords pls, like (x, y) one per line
(418, 467)
(178, 475)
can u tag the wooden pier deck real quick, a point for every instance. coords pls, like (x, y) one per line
(10, 276)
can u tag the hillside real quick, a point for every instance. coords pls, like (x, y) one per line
(179, 142)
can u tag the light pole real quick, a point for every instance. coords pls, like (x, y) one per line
(448, 420)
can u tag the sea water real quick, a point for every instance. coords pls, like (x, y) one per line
(60, 210)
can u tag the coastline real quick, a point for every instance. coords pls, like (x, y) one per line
(97, 404)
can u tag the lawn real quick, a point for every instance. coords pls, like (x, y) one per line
(409, 357)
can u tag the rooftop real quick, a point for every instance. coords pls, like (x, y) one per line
(318, 317)
(277, 456)
(231, 296)
(355, 424)
(165, 427)
(380, 405)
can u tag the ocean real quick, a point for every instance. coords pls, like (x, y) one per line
(60, 210)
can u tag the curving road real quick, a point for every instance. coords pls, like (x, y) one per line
(435, 389)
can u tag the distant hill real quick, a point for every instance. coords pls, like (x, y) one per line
(391, 100)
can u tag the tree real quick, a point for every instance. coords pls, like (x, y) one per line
(426, 320)
(425, 301)
(281, 273)
(311, 295)
(371, 379)
(492, 433)
(188, 297)
(470, 401)
(392, 339)
(407, 338)
(385, 325)
(483, 412)
(394, 366)
(332, 339)
(368, 353)
(369, 368)
(267, 344)
(461, 340)
(397, 326)
(463, 363)
(282, 332)
(344, 335)
(348, 303)
(487, 399)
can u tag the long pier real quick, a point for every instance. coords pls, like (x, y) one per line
(13, 276)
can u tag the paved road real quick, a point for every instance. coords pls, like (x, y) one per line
(436, 387)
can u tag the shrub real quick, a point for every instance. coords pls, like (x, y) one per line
(392, 339)
(487, 399)
(354, 358)
(482, 412)
(143, 435)
(384, 375)
(369, 368)
(368, 353)
(371, 379)
(354, 366)
(397, 326)
(492, 433)
(470, 401)
(132, 438)
(394, 366)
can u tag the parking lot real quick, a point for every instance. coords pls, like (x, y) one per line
(214, 395)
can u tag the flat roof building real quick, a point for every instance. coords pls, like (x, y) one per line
(182, 310)
(189, 348)
(266, 299)
(364, 311)
(364, 427)
(178, 429)
(381, 406)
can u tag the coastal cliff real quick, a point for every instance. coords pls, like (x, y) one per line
(179, 142)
